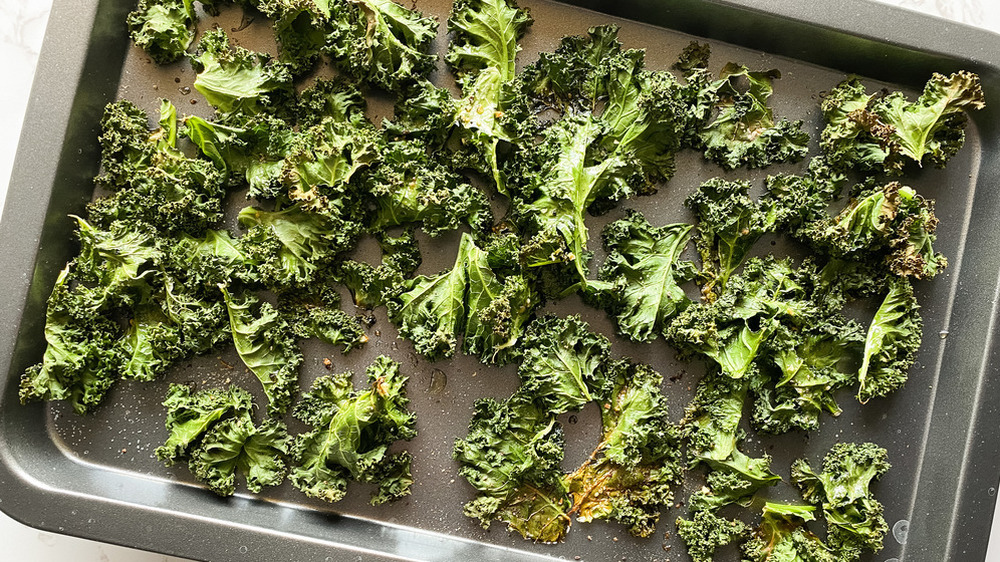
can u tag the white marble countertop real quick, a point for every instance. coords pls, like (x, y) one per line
(22, 25)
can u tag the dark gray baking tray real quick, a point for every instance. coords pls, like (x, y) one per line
(95, 477)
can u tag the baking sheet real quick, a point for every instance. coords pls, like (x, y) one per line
(96, 477)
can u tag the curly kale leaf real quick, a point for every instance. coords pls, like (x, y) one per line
(729, 224)
(177, 325)
(630, 476)
(891, 343)
(190, 415)
(496, 310)
(430, 311)
(152, 180)
(352, 433)
(511, 456)
(301, 28)
(563, 362)
(236, 444)
(163, 28)
(286, 247)
(711, 429)
(783, 537)
(734, 330)
(235, 80)
(371, 286)
(743, 131)
(892, 223)
(843, 491)
(811, 365)
(570, 181)
(328, 156)
(411, 186)
(693, 57)
(381, 42)
(482, 53)
(116, 266)
(469, 298)
(645, 113)
(338, 99)
(116, 312)
(204, 262)
(873, 132)
(706, 532)
(266, 345)
(644, 272)
(252, 149)
(79, 362)
(213, 429)
(808, 196)
(313, 165)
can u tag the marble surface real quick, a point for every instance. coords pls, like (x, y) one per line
(22, 25)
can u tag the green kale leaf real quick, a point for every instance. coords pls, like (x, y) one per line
(630, 475)
(266, 345)
(511, 456)
(482, 53)
(351, 435)
(743, 131)
(190, 415)
(729, 224)
(258, 452)
(706, 532)
(234, 79)
(563, 362)
(412, 186)
(891, 343)
(884, 132)
(644, 272)
(843, 491)
(163, 28)
(783, 537)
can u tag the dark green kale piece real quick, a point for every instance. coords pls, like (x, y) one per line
(511, 456)
(315, 313)
(351, 435)
(729, 224)
(811, 365)
(381, 42)
(287, 247)
(214, 430)
(711, 428)
(742, 130)
(412, 186)
(79, 362)
(733, 330)
(706, 532)
(236, 80)
(152, 180)
(266, 344)
(882, 132)
(482, 54)
(891, 343)
(630, 476)
(468, 299)
(783, 537)
(163, 28)
(234, 444)
(643, 273)
(843, 491)
(890, 223)
(563, 362)
(191, 414)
